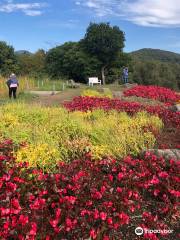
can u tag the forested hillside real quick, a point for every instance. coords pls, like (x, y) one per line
(149, 54)
(155, 67)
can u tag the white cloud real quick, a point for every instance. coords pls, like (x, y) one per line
(30, 9)
(155, 13)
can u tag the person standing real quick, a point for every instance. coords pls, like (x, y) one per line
(125, 75)
(12, 84)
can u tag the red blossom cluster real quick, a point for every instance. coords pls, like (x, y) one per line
(169, 117)
(88, 200)
(153, 92)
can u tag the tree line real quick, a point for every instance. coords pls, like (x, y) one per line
(99, 53)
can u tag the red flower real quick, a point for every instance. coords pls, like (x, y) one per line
(23, 220)
(103, 216)
(33, 230)
(54, 222)
(93, 234)
(96, 214)
(119, 190)
(110, 221)
(163, 174)
(155, 180)
(71, 199)
(120, 176)
(124, 218)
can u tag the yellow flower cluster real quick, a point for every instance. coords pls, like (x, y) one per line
(94, 93)
(54, 134)
(40, 156)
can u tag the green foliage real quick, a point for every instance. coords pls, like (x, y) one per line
(53, 134)
(156, 73)
(70, 61)
(32, 64)
(7, 59)
(104, 42)
(148, 54)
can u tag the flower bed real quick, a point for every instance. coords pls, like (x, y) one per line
(87, 200)
(153, 92)
(55, 134)
(169, 117)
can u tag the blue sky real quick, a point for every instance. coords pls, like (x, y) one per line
(35, 24)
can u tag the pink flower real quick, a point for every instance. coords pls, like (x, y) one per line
(119, 190)
(163, 174)
(6, 225)
(110, 177)
(103, 189)
(175, 193)
(5, 211)
(120, 176)
(156, 192)
(11, 186)
(93, 234)
(58, 212)
(23, 220)
(110, 221)
(71, 199)
(33, 230)
(54, 222)
(103, 216)
(124, 218)
(155, 180)
(97, 195)
(96, 214)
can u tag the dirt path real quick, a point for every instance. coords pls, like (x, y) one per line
(69, 94)
(58, 99)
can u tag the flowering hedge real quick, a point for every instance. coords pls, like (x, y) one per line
(158, 93)
(54, 134)
(87, 200)
(89, 103)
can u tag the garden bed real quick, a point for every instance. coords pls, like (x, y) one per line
(89, 200)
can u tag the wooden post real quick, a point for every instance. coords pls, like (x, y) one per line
(54, 88)
(27, 84)
(63, 86)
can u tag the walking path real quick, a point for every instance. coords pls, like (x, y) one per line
(57, 99)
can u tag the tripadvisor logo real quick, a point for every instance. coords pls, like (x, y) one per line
(139, 231)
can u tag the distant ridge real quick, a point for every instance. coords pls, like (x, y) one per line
(149, 54)
(25, 52)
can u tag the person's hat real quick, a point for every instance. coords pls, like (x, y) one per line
(12, 75)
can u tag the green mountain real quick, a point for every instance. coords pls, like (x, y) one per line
(24, 52)
(149, 54)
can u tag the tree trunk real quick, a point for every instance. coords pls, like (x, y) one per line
(103, 75)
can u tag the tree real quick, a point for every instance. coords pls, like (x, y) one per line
(32, 64)
(70, 61)
(8, 62)
(156, 73)
(54, 59)
(104, 42)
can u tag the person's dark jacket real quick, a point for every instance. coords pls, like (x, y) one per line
(12, 81)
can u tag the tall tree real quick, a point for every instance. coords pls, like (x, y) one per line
(8, 62)
(70, 61)
(104, 42)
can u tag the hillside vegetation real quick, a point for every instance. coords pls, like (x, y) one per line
(149, 54)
